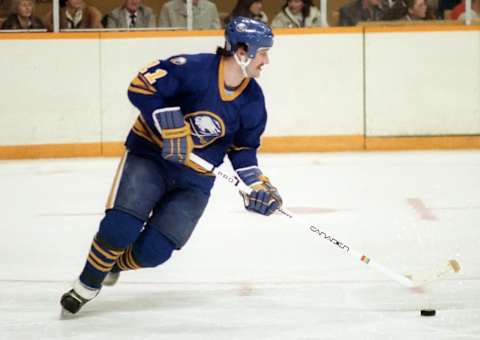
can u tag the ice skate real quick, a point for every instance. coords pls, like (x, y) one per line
(111, 279)
(73, 300)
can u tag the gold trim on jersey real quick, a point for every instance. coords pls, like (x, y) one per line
(239, 148)
(116, 181)
(141, 129)
(221, 84)
(141, 85)
(146, 82)
(140, 91)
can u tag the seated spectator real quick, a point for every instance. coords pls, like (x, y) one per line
(457, 10)
(361, 10)
(475, 11)
(76, 14)
(21, 17)
(297, 13)
(174, 14)
(409, 10)
(416, 10)
(132, 14)
(250, 9)
(444, 5)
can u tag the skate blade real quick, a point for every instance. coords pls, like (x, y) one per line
(66, 315)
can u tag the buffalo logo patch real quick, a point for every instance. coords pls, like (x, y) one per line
(206, 127)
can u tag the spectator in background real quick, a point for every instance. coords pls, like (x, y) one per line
(416, 10)
(76, 14)
(361, 10)
(174, 14)
(457, 10)
(21, 17)
(410, 10)
(252, 9)
(132, 14)
(475, 11)
(297, 13)
(444, 5)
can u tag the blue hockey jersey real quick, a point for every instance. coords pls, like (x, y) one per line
(222, 122)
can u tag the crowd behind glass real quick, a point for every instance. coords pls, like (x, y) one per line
(173, 14)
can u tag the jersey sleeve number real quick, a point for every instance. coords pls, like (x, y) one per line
(153, 75)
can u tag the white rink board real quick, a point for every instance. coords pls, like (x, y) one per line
(313, 85)
(422, 83)
(300, 85)
(417, 83)
(293, 96)
(121, 61)
(50, 91)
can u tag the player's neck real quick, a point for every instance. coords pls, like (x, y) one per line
(232, 74)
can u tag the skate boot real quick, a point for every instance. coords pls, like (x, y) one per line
(111, 279)
(75, 298)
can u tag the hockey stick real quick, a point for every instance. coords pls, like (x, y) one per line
(407, 281)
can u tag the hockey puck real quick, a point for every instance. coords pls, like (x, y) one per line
(427, 312)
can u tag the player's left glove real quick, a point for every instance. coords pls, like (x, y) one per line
(264, 199)
(176, 134)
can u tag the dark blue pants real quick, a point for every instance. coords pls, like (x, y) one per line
(151, 211)
(155, 194)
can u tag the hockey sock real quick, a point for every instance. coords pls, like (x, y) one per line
(100, 261)
(149, 250)
(126, 262)
(118, 230)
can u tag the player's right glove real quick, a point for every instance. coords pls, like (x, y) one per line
(176, 134)
(264, 199)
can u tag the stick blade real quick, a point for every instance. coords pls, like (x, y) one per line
(422, 279)
(454, 265)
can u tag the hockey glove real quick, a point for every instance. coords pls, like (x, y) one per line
(176, 134)
(264, 199)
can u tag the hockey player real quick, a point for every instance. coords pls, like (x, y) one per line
(208, 103)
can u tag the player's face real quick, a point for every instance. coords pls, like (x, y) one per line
(25, 8)
(255, 67)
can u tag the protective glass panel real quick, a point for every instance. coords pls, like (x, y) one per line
(397, 12)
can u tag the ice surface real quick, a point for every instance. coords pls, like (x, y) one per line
(244, 276)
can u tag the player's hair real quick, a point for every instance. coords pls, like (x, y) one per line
(307, 4)
(222, 51)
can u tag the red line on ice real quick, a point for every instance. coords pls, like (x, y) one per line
(421, 209)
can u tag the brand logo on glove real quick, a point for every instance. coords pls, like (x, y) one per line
(329, 238)
(206, 127)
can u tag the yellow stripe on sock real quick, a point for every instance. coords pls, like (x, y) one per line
(130, 259)
(120, 264)
(109, 254)
(100, 262)
(97, 266)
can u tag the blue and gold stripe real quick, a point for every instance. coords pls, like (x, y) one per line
(127, 260)
(102, 258)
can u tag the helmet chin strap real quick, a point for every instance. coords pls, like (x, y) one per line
(243, 64)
